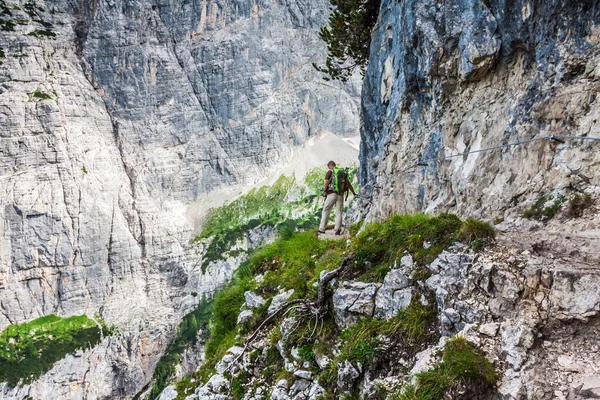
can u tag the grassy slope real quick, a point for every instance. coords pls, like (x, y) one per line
(294, 261)
(29, 350)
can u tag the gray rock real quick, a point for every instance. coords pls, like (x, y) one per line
(253, 300)
(517, 339)
(322, 360)
(168, 393)
(461, 40)
(279, 300)
(304, 375)
(280, 391)
(352, 301)
(347, 376)
(245, 316)
(490, 329)
(394, 294)
(151, 108)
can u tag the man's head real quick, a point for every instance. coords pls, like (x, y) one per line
(331, 164)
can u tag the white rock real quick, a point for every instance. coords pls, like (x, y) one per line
(279, 300)
(245, 316)
(490, 329)
(253, 300)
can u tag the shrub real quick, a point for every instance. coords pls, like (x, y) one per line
(577, 204)
(38, 94)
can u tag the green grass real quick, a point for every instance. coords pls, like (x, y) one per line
(381, 244)
(462, 363)
(362, 342)
(541, 212)
(29, 350)
(187, 333)
(295, 261)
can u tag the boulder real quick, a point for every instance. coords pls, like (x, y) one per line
(279, 300)
(352, 301)
(253, 300)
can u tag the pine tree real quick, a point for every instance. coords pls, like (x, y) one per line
(348, 37)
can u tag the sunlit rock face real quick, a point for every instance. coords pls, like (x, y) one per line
(113, 122)
(460, 76)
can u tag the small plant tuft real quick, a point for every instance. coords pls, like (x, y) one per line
(577, 204)
(476, 232)
(40, 95)
(462, 366)
(544, 208)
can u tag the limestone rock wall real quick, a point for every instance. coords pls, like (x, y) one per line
(459, 76)
(116, 116)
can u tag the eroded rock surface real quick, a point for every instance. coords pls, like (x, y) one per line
(446, 78)
(113, 125)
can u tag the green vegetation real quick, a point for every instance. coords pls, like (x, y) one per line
(462, 363)
(541, 211)
(295, 261)
(348, 37)
(363, 341)
(42, 33)
(421, 235)
(577, 204)
(28, 350)
(38, 94)
(84, 170)
(268, 206)
(187, 334)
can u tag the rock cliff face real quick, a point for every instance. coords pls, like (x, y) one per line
(452, 77)
(116, 117)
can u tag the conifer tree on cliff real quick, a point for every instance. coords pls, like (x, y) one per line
(348, 37)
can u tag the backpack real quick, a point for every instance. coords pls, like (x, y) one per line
(339, 180)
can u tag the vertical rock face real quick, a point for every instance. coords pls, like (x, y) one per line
(446, 78)
(115, 117)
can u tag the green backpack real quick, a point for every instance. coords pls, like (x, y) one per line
(339, 180)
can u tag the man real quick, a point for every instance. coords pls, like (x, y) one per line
(332, 198)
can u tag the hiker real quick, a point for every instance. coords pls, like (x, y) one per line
(336, 185)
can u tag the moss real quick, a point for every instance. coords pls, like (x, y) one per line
(462, 365)
(38, 94)
(28, 350)
(541, 211)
